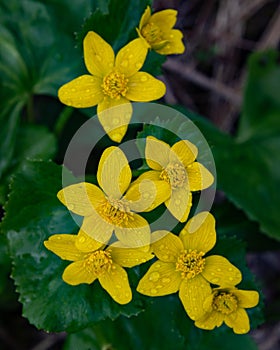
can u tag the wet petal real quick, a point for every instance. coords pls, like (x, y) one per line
(143, 87)
(199, 233)
(82, 92)
(115, 282)
(166, 246)
(131, 57)
(145, 17)
(86, 244)
(238, 321)
(185, 151)
(64, 246)
(128, 257)
(97, 228)
(210, 320)
(180, 202)
(156, 153)
(113, 174)
(193, 293)
(76, 273)
(81, 198)
(135, 233)
(199, 177)
(246, 298)
(98, 54)
(160, 279)
(114, 116)
(165, 19)
(174, 43)
(218, 270)
(146, 195)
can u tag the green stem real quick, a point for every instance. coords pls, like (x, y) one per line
(62, 120)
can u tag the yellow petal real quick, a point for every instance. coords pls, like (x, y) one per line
(146, 195)
(218, 270)
(174, 43)
(113, 174)
(156, 153)
(114, 115)
(131, 57)
(238, 321)
(135, 233)
(180, 202)
(76, 273)
(81, 198)
(199, 177)
(145, 17)
(185, 151)
(97, 228)
(167, 248)
(82, 92)
(115, 282)
(143, 87)
(246, 298)
(128, 257)
(199, 233)
(63, 245)
(85, 243)
(210, 320)
(193, 293)
(160, 279)
(98, 54)
(165, 19)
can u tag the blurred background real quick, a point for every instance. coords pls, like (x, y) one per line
(209, 79)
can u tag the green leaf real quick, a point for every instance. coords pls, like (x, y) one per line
(117, 23)
(33, 213)
(31, 142)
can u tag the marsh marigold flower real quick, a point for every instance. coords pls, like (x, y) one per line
(177, 167)
(228, 305)
(182, 265)
(106, 265)
(113, 205)
(113, 81)
(158, 33)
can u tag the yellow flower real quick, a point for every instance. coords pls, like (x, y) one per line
(113, 206)
(183, 267)
(156, 30)
(106, 265)
(114, 81)
(176, 166)
(227, 305)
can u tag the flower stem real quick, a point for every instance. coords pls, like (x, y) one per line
(62, 120)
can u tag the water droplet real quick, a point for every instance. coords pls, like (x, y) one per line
(127, 295)
(130, 56)
(165, 257)
(177, 202)
(138, 65)
(219, 270)
(154, 276)
(144, 78)
(230, 269)
(98, 58)
(231, 279)
(215, 280)
(116, 121)
(114, 267)
(143, 260)
(165, 280)
(87, 90)
(124, 63)
(157, 266)
(212, 273)
(171, 36)
(146, 195)
(71, 206)
(162, 247)
(73, 90)
(159, 286)
(118, 286)
(154, 291)
(82, 239)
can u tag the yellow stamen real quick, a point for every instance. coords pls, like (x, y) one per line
(115, 85)
(190, 263)
(98, 262)
(151, 32)
(225, 302)
(115, 211)
(175, 174)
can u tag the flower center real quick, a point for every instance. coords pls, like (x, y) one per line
(115, 211)
(190, 263)
(115, 85)
(98, 262)
(151, 32)
(225, 302)
(175, 174)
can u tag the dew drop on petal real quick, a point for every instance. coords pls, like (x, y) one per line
(177, 202)
(138, 65)
(230, 278)
(162, 247)
(230, 269)
(116, 121)
(124, 63)
(215, 280)
(143, 78)
(159, 286)
(165, 280)
(153, 291)
(219, 270)
(98, 58)
(118, 286)
(71, 206)
(154, 276)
